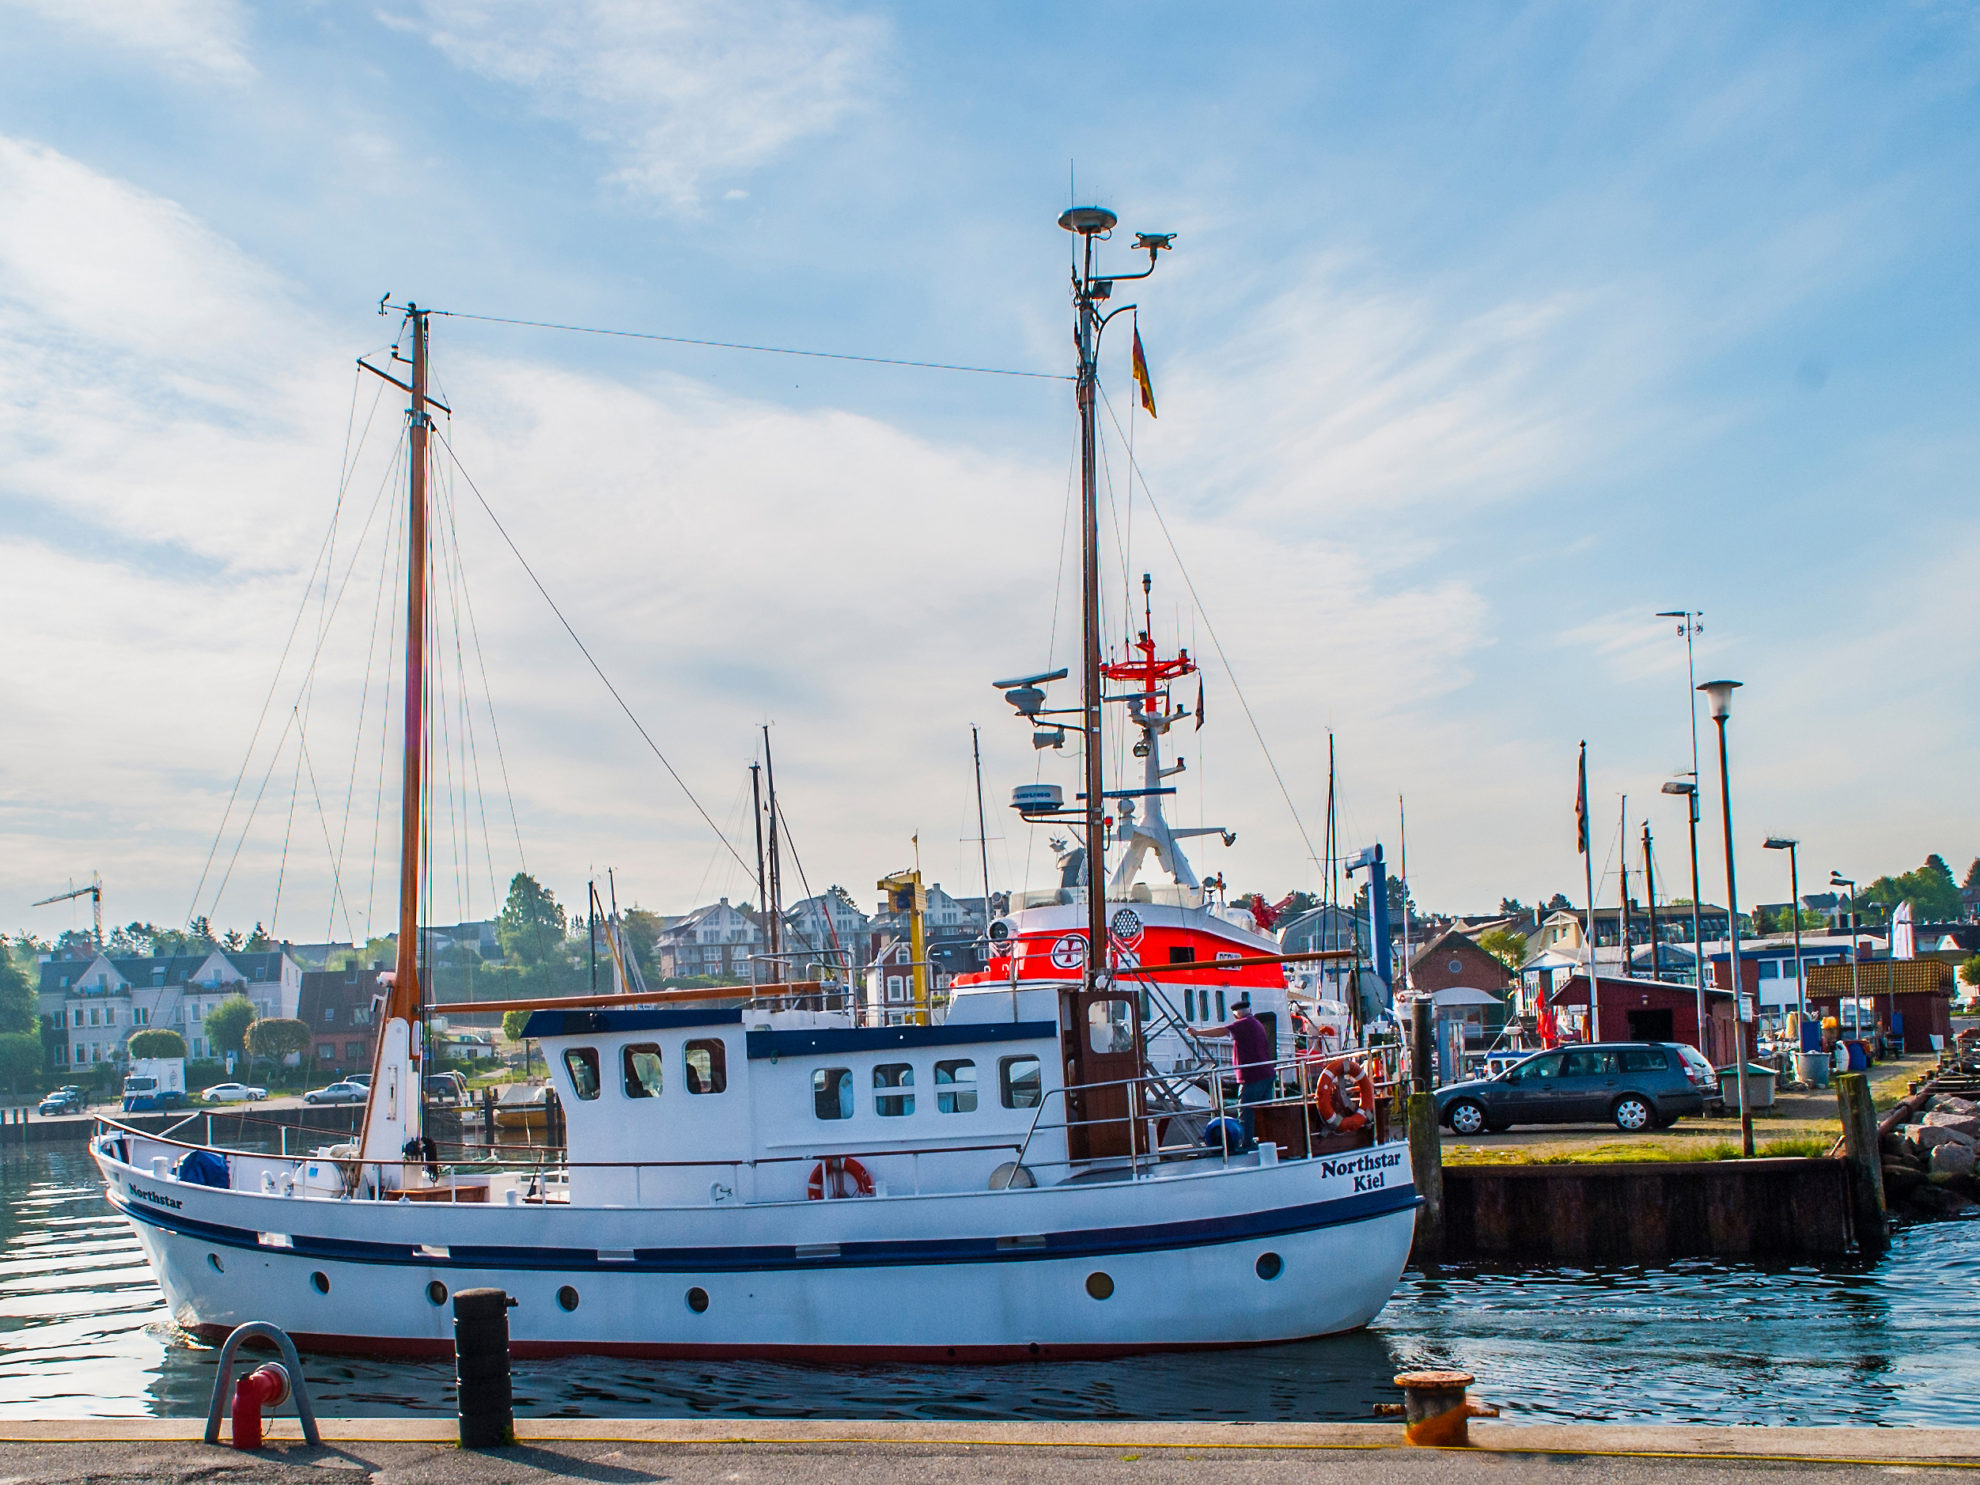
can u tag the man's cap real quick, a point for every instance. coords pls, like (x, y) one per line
(1243, 1003)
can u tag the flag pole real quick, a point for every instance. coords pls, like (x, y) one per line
(1588, 864)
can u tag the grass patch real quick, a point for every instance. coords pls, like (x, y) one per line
(1635, 1152)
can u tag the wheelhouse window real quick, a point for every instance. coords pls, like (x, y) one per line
(955, 1087)
(1110, 1026)
(581, 1063)
(642, 1065)
(832, 1092)
(707, 1062)
(893, 1089)
(1020, 1082)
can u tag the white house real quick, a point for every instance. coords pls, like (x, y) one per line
(828, 922)
(718, 941)
(99, 1002)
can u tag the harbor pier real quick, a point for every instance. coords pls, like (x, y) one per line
(830, 1452)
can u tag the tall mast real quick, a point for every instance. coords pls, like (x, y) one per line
(405, 997)
(762, 882)
(1087, 338)
(393, 1123)
(982, 826)
(775, 903)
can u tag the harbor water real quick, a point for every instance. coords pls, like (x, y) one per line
(83, 1332)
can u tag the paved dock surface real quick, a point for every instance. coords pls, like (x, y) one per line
(728, 1452)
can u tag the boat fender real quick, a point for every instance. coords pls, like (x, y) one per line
(1010, 1176)
(836, 1176)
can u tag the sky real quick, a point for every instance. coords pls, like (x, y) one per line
(1489, 332)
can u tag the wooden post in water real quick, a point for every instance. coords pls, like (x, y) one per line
(1863, 1171)
(1426, 1161)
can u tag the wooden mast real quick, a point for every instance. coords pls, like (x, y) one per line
(392, 1119)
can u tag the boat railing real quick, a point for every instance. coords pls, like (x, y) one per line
(447, 1176)
(1149, 1105)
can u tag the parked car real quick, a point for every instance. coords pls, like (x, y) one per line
(232, 1093)
(1637, 1085)
(65, 1100)
(446, 1088)
(338, 1093)
(363, 1080)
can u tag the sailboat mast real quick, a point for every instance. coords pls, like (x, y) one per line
(403, 1003)
(775, 903)
(762, 882)
(982, 826)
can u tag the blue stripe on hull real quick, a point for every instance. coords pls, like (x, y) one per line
(1090, 1243)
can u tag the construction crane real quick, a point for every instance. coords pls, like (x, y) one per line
(94, 892)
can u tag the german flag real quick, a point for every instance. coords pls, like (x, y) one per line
(1141, 374)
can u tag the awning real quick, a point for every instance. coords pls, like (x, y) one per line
(1463, 995)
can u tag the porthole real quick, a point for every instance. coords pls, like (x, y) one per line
(1100, 1286)
(567, 1297)
(437, 1292)
(1269, 1265)
(213, 1262)
(321, 1280)
(697, 1299)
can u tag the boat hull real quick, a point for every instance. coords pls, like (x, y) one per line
(1241, 1256)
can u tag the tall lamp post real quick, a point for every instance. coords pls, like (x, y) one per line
(1720, 695)
(1689, 789)
(1837, 879)
(1792, 847)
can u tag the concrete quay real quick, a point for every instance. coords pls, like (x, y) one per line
(402, 1451)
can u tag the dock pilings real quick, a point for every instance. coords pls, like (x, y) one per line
(1863, 1164)
(1426, 1149)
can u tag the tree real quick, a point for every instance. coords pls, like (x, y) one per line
(1970, 971)
(1972, 883)
(277, 1038)
(157, 1041)
(1504, 945)
(1511, 906)
(1558, 903)
(197, 939)
(513, 1023)
(1931, 891)
(227, 1024)
(17, 997)
(1399, 902)
(259, 942)
(20, 1057)
(532, 924)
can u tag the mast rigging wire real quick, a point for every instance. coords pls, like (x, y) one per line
(1156, 510)
(769, 350)
(597, 669)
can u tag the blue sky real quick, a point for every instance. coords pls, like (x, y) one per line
(1489, 331)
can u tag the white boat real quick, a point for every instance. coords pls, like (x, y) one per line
(1018, 1173)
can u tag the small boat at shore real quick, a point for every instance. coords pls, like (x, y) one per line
(1041, 1167)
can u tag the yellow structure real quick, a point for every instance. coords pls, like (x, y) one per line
(905, 894)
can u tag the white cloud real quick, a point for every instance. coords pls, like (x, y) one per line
(674, 90)
(206, 39)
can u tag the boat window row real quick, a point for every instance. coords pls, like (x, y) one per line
(835, 1090)
(1195, 1005)
(643, 1069)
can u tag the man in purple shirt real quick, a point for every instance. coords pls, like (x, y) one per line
(1252, 1051)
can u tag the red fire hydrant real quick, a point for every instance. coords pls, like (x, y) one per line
(264, 1387)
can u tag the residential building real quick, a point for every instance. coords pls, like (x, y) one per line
(1453, 962)
(718, 941)
(99, 1002)
(338, 1007)
(830, 923)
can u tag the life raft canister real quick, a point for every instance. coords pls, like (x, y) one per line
(836, 1176)
(1344, 1104)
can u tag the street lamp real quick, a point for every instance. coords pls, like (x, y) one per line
(1837, 879)
(1792, 847)
(1719, 693)
(1689, 790)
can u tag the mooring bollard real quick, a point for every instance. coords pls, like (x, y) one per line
(1436, 1413)
(1863, 1164)
(481, 1368)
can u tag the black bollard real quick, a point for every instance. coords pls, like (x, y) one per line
(481, 1368)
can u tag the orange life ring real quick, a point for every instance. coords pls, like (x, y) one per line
(1337, 1110)
(847, 1176)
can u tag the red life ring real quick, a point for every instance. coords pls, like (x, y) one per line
(847, 1176)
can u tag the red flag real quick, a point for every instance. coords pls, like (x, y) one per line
(1141, 374)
